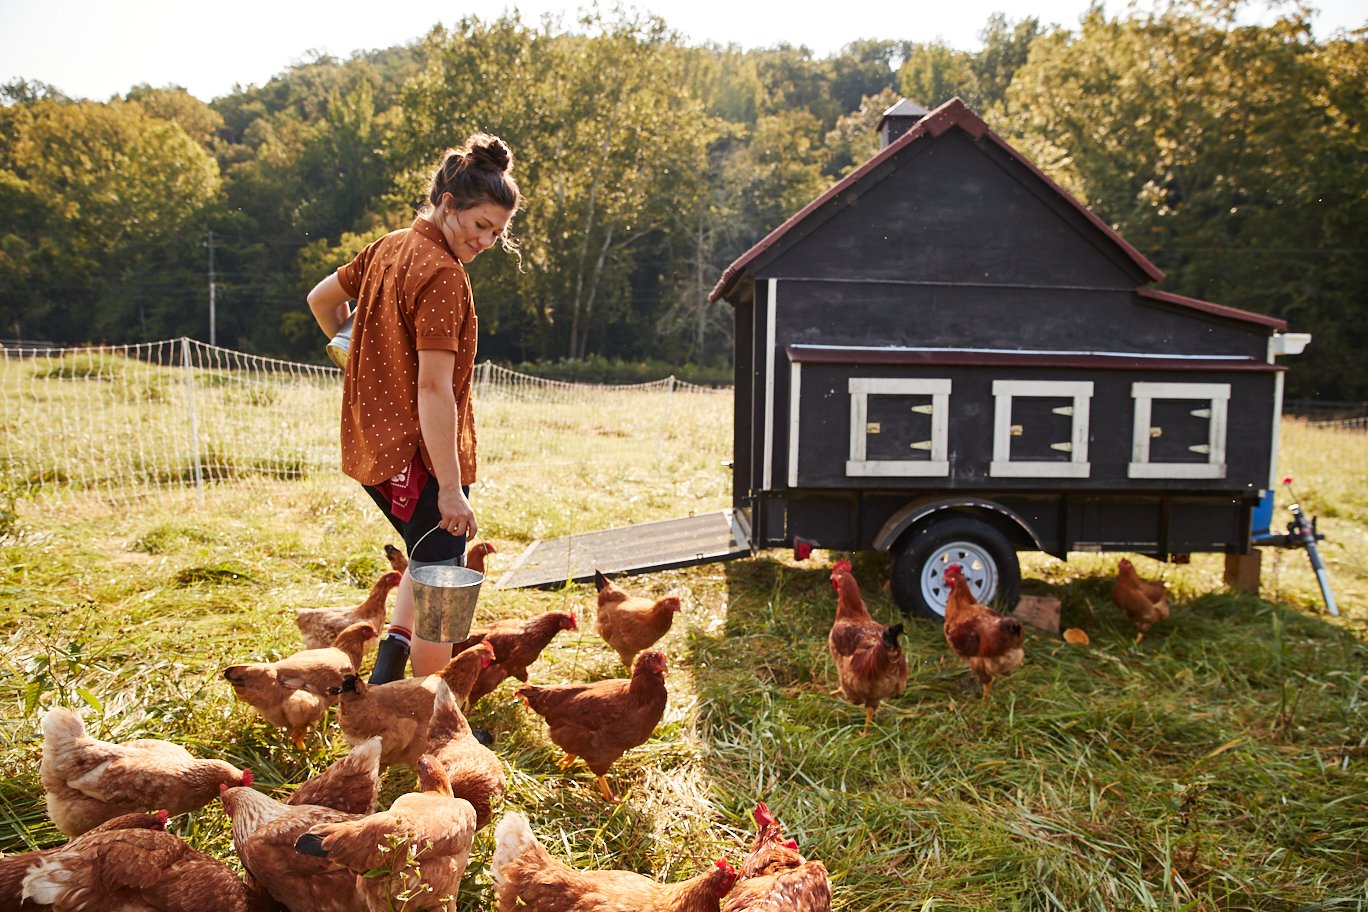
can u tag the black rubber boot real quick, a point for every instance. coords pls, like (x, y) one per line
(484, 736)
(391, 661)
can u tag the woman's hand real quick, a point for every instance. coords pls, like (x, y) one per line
(458, 517)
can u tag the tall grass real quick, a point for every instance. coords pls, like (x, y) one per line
(1220, 764)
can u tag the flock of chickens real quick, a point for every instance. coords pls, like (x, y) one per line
(324, 847)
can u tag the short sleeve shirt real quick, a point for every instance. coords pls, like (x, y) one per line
(411, 294)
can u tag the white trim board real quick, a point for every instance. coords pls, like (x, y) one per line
(1003, 466)
(1218, 397)
(860, 389)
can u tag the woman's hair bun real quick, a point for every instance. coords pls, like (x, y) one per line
(489, 153)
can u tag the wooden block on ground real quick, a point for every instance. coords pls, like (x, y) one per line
(1242, 571)
(1040, 611)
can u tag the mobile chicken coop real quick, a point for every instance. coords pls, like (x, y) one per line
(948, 357)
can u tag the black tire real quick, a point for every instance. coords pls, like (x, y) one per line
(987, 558)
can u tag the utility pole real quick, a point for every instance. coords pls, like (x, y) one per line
(213, 340)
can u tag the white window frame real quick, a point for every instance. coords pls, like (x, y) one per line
(861, 388)
(1004, 391)
(1217, 395)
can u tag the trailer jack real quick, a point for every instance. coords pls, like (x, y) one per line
(1301, 533)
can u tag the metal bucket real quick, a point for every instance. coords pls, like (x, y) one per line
(444, 596)
(341, 343)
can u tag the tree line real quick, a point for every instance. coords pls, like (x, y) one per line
(1233, 156)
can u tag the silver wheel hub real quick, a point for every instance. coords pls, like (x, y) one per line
(976, 565)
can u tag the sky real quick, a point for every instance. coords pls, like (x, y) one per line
(100, 48)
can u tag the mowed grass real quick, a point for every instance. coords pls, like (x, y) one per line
(1219, 764)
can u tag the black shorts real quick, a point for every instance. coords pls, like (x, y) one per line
(441, 545)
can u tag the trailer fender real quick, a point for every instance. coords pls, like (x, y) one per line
(916, 511)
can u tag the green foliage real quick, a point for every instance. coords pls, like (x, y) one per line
(1227, 155)
(1230, 155)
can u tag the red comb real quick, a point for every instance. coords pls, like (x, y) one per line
(162, 817)
(841, 566)
(762, 814)
(791, 844)
(726, 866)
(247, 778)
(1287, 480)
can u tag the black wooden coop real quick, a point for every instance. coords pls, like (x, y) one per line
(947, 356)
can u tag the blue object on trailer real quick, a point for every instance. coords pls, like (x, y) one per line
(1262, 517)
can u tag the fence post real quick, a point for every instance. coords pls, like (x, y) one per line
(194, 424)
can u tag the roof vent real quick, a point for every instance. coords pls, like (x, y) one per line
(897, 120)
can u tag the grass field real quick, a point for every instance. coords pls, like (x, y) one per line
(1220, 764)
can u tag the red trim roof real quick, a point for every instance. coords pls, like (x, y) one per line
(1219, 310)
(954, 113)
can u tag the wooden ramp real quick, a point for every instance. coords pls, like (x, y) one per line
(633, 549)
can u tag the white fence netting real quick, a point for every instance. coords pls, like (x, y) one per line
(132, 421)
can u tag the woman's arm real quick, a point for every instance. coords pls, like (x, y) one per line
(329, 305)
(437, 423)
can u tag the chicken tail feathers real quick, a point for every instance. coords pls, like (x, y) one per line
(513, 839)
(311, 844)
(890, 636)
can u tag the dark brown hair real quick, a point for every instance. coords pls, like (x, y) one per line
(477, 172)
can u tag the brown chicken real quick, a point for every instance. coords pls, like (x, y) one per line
(136, 868)
(13, 868)
(476, 554)
(464, 670)
(474, 771)
(320, 626)
(409, 858)
(602, 720)
(1144, 601)
(264, 834)
(296, 692)
(516, 645)
(990, 642)
(524, 871)
(869, 661)
(775, 877)
(631, 623)
(400, 711)
(87, 781)
(398, 560)
(351, 784)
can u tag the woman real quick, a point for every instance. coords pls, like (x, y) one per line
(408, 431)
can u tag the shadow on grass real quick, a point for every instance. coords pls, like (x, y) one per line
(1218, 762)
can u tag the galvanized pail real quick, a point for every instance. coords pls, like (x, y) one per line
(444, 596)
(341, 343)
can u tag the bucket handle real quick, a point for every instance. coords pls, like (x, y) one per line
(420, 541)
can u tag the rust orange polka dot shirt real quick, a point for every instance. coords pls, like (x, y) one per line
(411, 294)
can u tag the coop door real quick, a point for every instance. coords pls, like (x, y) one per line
(898, 427)
(1040, 429)
(1180, 430)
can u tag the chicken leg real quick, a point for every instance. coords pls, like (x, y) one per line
(606, 791)
(565, 761)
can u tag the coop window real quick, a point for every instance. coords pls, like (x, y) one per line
(898, 427)
(1040, 429)
(1180, 430)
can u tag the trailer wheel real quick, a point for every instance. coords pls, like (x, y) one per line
(985, 556)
